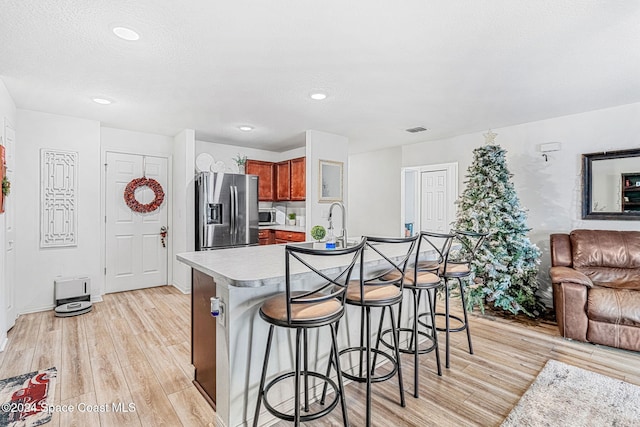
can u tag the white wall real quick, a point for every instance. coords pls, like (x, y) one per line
(226, 153)
(551, 191)
(126, 141)
(7, 111)
(324, 146)
(37, 268)
(374, 192)
(183, 206)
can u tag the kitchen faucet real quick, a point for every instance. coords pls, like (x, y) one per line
(343, 236)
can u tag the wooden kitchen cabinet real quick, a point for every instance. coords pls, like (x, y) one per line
(291, 181)
(266, 237)
(289, 236)
(283, 180)
(298, 179)
(203, 335)
(266, 178)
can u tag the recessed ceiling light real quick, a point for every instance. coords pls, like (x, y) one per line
(102, 101)
(126, 33)
(417, 129)
(245, 128)
(318, 96)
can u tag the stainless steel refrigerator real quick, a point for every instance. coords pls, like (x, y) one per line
(226, 210)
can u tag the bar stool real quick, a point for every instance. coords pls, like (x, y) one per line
(431, 253)
(458, 266)
(376, 289)
(320, 304)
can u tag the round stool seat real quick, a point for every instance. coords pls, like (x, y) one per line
(372, 293)
(274, 310)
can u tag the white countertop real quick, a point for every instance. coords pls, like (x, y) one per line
(255, 266)
(251, 266)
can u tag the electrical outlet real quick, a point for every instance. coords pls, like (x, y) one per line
(222, 317)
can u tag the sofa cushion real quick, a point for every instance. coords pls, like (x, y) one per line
(619, 278)
(617, 306)
(605, 248)
(609, 258)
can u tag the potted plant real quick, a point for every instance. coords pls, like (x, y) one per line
(6, 186)
(318, 232)
(292, 218)
(240, 161)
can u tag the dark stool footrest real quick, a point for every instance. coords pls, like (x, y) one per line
(407, 350)
(374, 379)
(307, 417)
(458, 329)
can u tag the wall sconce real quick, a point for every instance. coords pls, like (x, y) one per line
(549, 146)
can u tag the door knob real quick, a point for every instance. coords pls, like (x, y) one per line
(163, 235)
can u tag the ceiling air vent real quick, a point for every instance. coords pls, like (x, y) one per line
(416, 129)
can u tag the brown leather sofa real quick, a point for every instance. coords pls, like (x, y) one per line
(596, 286)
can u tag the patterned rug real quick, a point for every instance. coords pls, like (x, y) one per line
(563, 395)
(25, 399)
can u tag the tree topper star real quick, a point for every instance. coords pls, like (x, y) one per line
(489, 137)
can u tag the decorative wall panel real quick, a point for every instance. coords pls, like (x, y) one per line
(58, 198)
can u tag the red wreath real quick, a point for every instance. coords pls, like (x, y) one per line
(130, 195)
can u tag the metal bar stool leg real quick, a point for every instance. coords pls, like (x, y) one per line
(446, 320)
(368, 339)
(331, 356)
(414, 339)
(296, 417)
(362, 331)
(264, 376)
(334, 353)
(397, 351)
(306, 370)
(432, 309)
(375, 353)
(466, 319)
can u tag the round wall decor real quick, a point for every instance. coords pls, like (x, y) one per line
(130, 195)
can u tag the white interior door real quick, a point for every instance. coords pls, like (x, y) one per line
(135, 256)
(434, 203)
(10, 231)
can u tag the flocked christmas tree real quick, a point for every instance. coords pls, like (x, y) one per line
(507, 263)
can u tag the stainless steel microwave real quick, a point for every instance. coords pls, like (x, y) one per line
(266, 216)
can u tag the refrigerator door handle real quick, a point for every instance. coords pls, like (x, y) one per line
(232, 216)
(235, 201)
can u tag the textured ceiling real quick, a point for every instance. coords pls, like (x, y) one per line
(453, 67)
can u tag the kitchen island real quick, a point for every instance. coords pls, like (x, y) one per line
(242, 278)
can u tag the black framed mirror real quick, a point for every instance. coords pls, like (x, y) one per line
(611, 185)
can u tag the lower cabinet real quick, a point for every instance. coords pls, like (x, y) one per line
(289, 236)
(203, 335)
(266, 237)
(270, 237)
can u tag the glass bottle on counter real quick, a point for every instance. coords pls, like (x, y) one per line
(331, 239)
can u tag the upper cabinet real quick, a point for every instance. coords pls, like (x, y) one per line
(266, 178)
(291, 182)
(298, 179)
(282, 181)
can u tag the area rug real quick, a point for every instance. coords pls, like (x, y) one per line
(563, 395)
(25, 399)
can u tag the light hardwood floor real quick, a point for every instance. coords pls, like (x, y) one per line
(134, 348)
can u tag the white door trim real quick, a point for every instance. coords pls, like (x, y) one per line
(452, 191)
(9, 311)
(103, 211)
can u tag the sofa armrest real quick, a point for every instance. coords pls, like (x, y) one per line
(569, 275)
(560, 247)
(570, 288)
